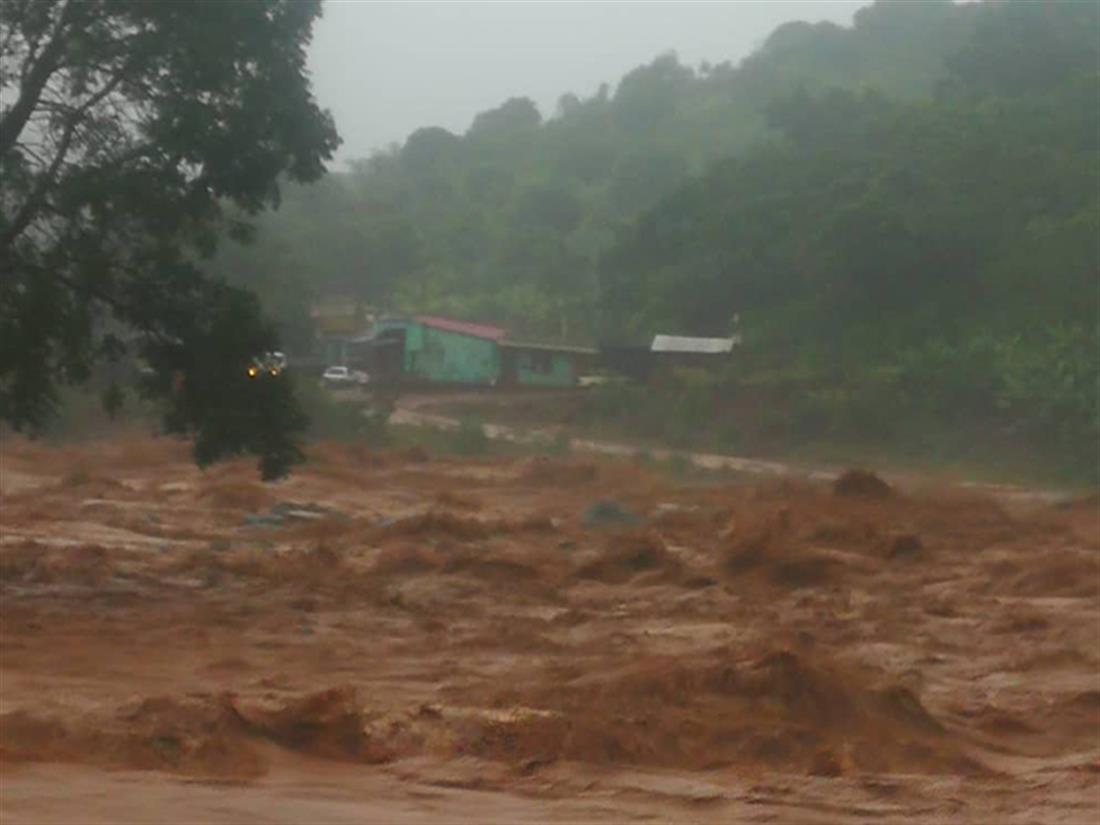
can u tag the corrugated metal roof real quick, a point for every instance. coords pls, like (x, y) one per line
(700, 346)
(462, 327)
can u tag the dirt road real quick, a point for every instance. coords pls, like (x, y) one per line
(393, 638)
(422, 410)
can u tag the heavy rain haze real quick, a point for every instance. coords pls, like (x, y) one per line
(650, 412)
(387, 69)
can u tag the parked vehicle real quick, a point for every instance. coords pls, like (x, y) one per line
(270, 363)
(337, 377)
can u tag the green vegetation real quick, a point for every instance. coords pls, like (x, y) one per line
(561, 445)
(671, 417)
(132, 136)
(904, 215)
(785, 417)
(509, 221)
(470, 438)
(904, 269)
(358, 419)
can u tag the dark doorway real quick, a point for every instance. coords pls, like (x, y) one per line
(389, 355)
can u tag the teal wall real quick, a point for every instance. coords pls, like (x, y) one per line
(438, 355)
(536, 368)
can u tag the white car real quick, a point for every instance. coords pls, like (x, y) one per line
(343, 377)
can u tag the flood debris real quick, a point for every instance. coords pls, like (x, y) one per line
(903, 545)
(627, 554)
(862, 484)
(285, 512)
(609, 513)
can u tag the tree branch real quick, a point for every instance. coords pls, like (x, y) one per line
(33, 203)
(11, 126)
(14, 23)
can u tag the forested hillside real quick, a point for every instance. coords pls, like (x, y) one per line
(904, 215)
(508, 221)
(899, 219)
(934, 259)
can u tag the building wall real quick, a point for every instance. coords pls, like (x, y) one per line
(541, 368)
(438, 355)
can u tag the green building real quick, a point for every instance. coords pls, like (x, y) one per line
(439, 350)
(529, 364)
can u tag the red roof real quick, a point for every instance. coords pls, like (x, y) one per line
(463, 327)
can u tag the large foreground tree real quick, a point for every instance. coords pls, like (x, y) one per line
(132, 136)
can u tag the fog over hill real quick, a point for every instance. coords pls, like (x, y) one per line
(387, 69)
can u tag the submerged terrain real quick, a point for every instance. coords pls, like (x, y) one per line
(392, 637)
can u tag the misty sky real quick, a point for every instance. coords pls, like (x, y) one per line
(386, 69)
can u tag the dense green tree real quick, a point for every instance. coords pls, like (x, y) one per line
(951, 241)
(127, 128)
(1027, 47)
(516, 115)
(651, 93)
(430, 151)
(465, 201)
(909, 202)
(550, 207)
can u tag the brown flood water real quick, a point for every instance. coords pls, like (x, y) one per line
(390, 638)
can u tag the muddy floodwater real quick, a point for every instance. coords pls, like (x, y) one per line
(389, 637)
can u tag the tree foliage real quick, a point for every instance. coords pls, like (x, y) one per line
(951, 243)
(903, 212)
(127, 129)
(508, 220)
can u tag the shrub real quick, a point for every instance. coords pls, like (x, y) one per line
(470, 438)
(1053, 382)
(561, 445)
(359, 420)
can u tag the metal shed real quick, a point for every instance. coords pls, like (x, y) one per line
(684, 345)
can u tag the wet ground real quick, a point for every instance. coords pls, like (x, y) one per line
(388, 637)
